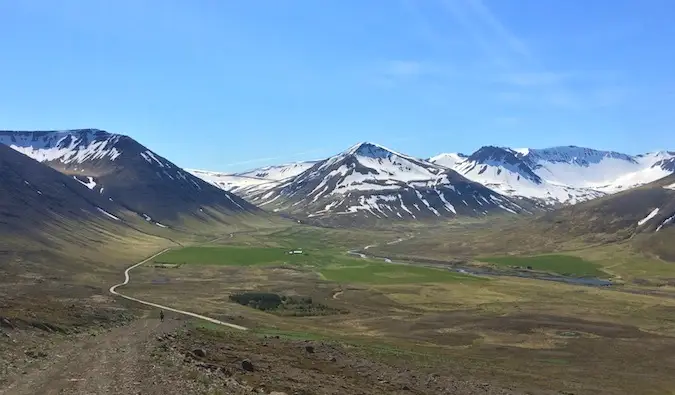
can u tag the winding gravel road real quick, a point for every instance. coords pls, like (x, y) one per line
(127, 278)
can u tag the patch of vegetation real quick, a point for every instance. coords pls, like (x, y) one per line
(229, 255)
(284, 305)
(566, 265)
(387, 273)
(258, 300)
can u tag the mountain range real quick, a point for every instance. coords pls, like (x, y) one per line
(559, 175)
(120, 177)
(373, 181)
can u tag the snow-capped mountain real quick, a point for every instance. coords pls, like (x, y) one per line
(252, 181)
(448, 160)
(372, 181)
(126, 172)
(50, 208)
(566, 175)
(278, 172)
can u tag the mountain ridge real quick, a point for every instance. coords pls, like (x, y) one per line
(554, 176)
(129, 173)
(369, 181)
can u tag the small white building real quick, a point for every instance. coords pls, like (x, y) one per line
(295, 252)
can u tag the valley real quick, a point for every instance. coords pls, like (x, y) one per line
(370, 271)
(527, 335)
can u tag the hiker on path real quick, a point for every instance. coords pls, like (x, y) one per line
(161, 315)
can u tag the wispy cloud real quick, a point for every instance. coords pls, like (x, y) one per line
(538, 78)
(521, 77)
(508, 121)
(498, 28)
(404, 68)
(396, 73)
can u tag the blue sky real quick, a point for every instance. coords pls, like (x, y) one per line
(230, 85)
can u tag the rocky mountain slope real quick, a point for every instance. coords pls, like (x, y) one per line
(559, 175)
(129, 174)
(371, 181)
(41, 207)
(645, 214)
(648, 208)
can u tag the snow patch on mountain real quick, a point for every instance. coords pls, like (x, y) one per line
(64, 146)
(277, 172)
(666, 222)
(448, 160)
(150, 158)
(240, 185)
(91, 184)
(648, 217)
(107, 214)
(556, 175)
(252, 181)
(671, 186)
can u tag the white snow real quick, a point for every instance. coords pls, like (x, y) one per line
(252, 182)
(448, 160)
(91, 184)
(161, 225)
(648, 217)
(279, 172)
(560, 174)
(241, 185)
(64, 146)
(426, 203)
(671, 186)
(232, 200)
(150, 158)
(508, 180)
(668, 220)
(107, 214)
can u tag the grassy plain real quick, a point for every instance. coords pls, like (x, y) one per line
(566, 265)
(531, 335)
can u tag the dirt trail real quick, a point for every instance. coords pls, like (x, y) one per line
(127, 278)
(114, 362)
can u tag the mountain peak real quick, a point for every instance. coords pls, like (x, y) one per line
(369, 149)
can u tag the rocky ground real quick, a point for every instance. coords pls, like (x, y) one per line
(147, 356)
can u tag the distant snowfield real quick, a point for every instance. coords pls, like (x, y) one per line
(253, 181)
(567, 175)
(671, 186)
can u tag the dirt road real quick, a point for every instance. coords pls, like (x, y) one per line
(127, 278)
(115, 362)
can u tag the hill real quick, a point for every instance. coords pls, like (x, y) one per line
(645, 214)
(128, 173)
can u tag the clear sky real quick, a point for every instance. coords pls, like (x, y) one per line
(230, 85)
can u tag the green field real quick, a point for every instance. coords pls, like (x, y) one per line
(561, 264)
(389, 273)
(231, 256)
(332, 266)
